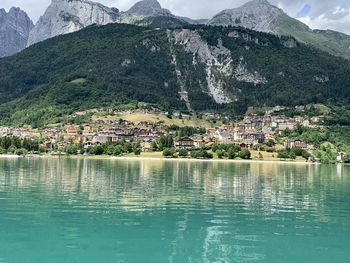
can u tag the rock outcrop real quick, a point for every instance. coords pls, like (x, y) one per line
(148, 8)
(67, 16)
(14, 31)
(258, 15)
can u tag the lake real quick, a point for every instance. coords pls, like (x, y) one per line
(85, 210)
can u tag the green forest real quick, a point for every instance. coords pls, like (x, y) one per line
(116, 64)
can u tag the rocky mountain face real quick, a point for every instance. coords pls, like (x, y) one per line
(148, 8)
(14, 31)
(67, 16)
(257, 15)
(261, 16)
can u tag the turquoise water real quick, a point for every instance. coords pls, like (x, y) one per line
(77, 210)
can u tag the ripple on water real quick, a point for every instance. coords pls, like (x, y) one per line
(98, 210)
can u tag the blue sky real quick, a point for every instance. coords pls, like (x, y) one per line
(322, 14)
(304, 11)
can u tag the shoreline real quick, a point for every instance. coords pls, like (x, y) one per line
(141, 158)
(126, 158)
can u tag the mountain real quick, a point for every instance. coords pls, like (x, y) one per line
(148, 8)
(67, 16)
(260, 15)
(257, 15)
(224, 69)
(14, 31)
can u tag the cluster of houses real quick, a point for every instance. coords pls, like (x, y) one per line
(252, 130)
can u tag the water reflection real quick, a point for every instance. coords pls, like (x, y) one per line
(194, 211)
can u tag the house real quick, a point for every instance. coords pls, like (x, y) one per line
(199, 143)
(295, 144)
(223, 136)
(146, 146)
(317, 119)
(90, 144)
(341, 157)
(185, 143)
(286, 126)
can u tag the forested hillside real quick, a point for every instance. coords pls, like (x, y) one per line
(223, 69)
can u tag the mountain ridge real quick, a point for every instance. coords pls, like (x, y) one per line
(67, 16)
(260, 15)
(15, 26)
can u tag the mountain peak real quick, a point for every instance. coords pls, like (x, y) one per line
(258, 15)
(148, 8)
(67, 16)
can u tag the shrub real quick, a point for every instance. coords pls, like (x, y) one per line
(183, 153)
(169, 152)
(21, 151)
(12, 149)
(232, 154)
(220, 154)
(244, 154)
(201, 154)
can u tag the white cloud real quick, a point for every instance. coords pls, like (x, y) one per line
(324, 14)
(322, 22)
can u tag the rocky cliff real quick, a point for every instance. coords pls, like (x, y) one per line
(14, 31)
(148, 8)
(257, 15)
(67, 16)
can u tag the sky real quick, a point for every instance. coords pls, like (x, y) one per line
(318, 14)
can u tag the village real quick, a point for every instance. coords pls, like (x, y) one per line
(107, 127)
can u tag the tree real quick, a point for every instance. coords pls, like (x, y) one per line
(169, 152)
(244, 154)
(165, 142)
(136, 148)
(137, 151)
(220, 154)
(118, 150)
(270, 143)
(201, 154)
(347, 158)
(21, 152)
(97, 150)
(12, 149)
(183, 153)
(232, 154)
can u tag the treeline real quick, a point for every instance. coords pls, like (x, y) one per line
(186, 131)
(327, 142)
(110, 148)
(223, 151)
(16, 145)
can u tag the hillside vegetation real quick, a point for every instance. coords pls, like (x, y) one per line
(106, 66)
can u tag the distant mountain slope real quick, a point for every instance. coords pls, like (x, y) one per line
(161, 22)
(14, 31)
(260, 15)
(222, 69)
